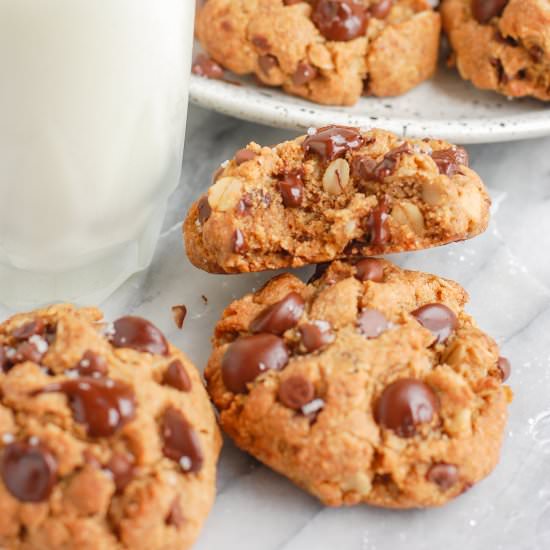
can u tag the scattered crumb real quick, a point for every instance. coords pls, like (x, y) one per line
(179, 313)
(204, 299)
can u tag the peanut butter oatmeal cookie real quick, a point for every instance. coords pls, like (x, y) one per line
(501, 45)
(335, 193)
(327, 51)
(107, 437)
(368, 384)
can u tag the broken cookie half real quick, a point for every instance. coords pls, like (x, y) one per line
(335, 193)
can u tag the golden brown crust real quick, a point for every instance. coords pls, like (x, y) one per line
(162, 507)
(426, 207)
(343, 455)
(397, 52)
(509, 54)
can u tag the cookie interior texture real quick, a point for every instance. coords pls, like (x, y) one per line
(501, 45)
(326, 51)
(369, 384)
(107, 437)
(336, 193)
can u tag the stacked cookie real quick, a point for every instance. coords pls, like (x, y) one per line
(369, 383)
(332, 51)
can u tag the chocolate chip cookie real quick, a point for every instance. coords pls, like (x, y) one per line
(501, 45)
(335, 193)
(368, 384)
(107, 437)
(328, 51)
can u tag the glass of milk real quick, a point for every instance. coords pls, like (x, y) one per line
(93, 103)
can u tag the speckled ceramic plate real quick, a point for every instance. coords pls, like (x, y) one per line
(445, 107)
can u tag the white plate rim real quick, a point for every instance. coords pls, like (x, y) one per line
(263, 106)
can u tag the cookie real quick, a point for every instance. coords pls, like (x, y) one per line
(107, 437)
(335, 193)
(501, 45)
(368, 384)
(328, 51)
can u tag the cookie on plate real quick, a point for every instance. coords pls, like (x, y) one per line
(335, 193)
(369, 384)
(107, 437)
(328, 51)
(501, 45)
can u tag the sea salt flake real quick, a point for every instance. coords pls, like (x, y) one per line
(108, 330)
(39, 343)
(8, 438)
(313, 406)
(185, 463)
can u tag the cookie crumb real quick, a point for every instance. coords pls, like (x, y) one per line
(179, 313)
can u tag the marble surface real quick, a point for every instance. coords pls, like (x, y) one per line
(507, 273)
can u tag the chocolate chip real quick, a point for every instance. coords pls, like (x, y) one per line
(205, 211)
(340, 20)
(437, 318)
(292, 189)
(536, 53)
(24, 332)
(372, 323)
(443, 475)
(181, 442)
(206, 67)
(175, 515)
(504, 367)
(28, 471)
(4, 363)
(369, 269)
(92, 364)
(178, 314)
(404, 404)
(296, 391)
(245, 204)
(331, 142)
(484, 10)
(502, 77)
(139, 334)
(316, 335)
(176, 376)
(261, 42)
(239, 242)
(386, 167)
(122, 468)
(449, 160)
(102, 405)
(249, 356)
(244, 155)
(32, 350)
(281, 316)
(320, 270)
(267, 63)
(381, 9)
(377, 224)
(304, 73)
(363, 167)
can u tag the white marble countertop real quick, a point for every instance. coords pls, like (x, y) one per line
(507, 273)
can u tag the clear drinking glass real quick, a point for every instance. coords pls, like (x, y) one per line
(93, 103)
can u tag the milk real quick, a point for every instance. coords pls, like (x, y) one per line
(93, 100)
